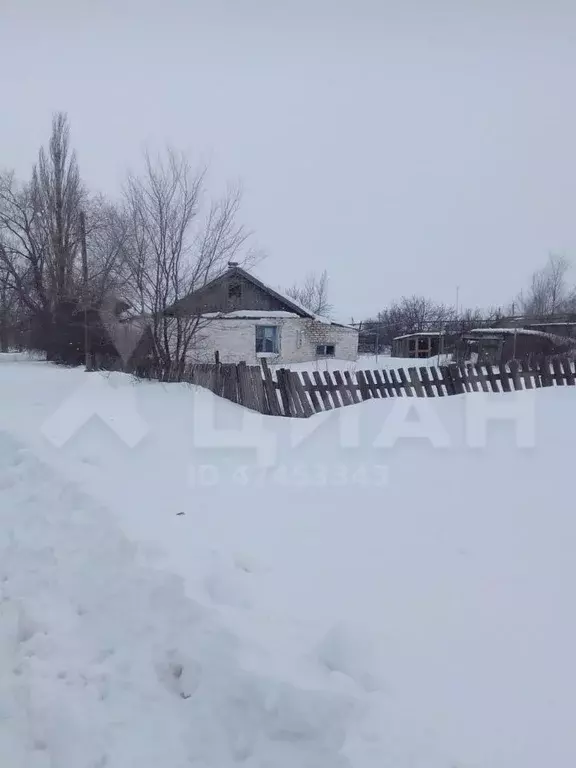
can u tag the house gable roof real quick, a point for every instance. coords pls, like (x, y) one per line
(290, 304)
(293, 306)
(235, 271)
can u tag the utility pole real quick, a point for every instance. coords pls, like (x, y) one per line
(87, 357)
(441, 346)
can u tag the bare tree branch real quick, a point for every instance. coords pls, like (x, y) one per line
(548, 292)
(172, 249)
(312, 294)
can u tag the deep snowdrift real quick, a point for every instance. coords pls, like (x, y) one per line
(105, 662)
(329, 615)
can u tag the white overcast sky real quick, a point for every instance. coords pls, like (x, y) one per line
(406, 147)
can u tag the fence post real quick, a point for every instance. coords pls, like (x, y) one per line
(284, 393)
(456, 378)
(270, 389)
(217, 378)
(447, 380)
(544, 368)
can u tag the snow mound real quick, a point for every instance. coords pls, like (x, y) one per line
(356, 591)
(105, 663)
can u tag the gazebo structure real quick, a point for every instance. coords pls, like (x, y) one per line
(420, 345)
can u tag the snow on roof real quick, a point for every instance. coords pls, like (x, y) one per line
(499, 332)
(300, 309)
(318, 318)
(249, 314)
(485, 336)
(289, 300)
(506, 331)
(420, 333)
(255, 314)
(544, 323)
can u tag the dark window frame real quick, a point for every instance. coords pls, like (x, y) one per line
(267, 344)
(322, 350)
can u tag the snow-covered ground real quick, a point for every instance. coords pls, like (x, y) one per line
(187, 583)
(20, 357)
(365, 363)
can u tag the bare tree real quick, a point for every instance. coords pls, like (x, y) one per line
(159, 245)
(419, 313)
(174, 249)
(39, 231)
(312, 294)
(415, 314)
(23, 247)
(549, 292)
(10, 312)
(57, 196)
(108, 245)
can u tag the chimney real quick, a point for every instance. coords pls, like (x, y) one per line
(232, 264)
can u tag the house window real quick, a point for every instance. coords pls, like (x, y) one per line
(325, 350)
(234, 290)
(267, 339)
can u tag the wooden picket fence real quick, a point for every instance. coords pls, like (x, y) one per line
(302, 394)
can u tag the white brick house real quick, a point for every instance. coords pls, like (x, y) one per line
(247, 320)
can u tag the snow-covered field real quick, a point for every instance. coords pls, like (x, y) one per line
(186, 583)
(365, 363)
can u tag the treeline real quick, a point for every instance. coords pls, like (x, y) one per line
(549, 293)
(417, 313)
(68, 254)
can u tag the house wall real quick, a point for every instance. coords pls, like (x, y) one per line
(303, 348)
(235, 340)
